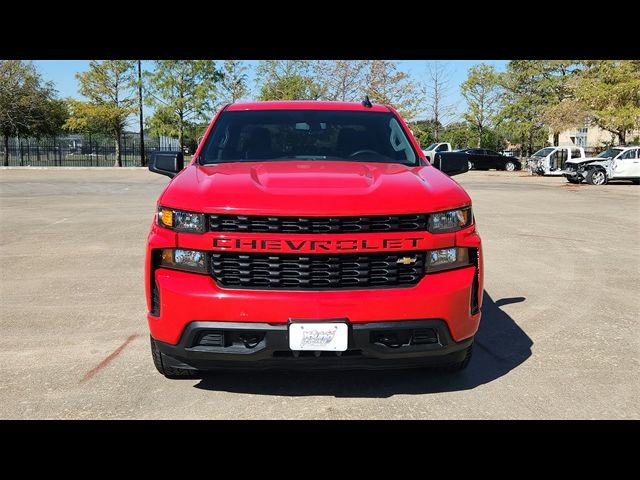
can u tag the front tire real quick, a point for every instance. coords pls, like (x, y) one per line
(510, 166)
(596, 177)
(470, 164)
(167, 371)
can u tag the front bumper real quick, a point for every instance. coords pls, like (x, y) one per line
(269, 347)
(182, 299)
(187, 297)
(573, 174)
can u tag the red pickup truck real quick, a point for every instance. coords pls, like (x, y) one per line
(315, 235)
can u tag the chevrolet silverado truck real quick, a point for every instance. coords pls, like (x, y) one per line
(314, 235)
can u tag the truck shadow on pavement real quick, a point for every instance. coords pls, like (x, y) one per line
(500, 346)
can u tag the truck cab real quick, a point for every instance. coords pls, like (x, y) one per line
(434, 148)
(616, 163)
(551, 160)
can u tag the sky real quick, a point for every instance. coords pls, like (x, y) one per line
(62, 73)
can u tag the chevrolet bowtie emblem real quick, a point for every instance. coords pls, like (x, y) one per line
(407, 260)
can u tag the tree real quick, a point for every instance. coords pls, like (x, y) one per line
(385, 84)
(85, 118)
(481, 91)
(435, 89)
(341, 80)
(610, 91)
(557, 89)
(423, 131)
(27, 105)
(494, 139)
(287, 80)
(562, 116)
(524, 101)
(182, 92)
(54, 114)
(233, 82)
(459, 135)
(540, 96)
(110, 87)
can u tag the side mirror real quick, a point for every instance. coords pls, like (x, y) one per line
(451, 164)
(166, 163)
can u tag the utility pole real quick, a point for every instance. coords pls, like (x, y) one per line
(142, 159)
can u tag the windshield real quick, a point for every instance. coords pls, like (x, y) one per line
(267, 135)
(611, 153)
(543, 152)
(431, 147)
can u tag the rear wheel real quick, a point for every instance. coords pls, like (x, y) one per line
(470, 164)
(510, 166)
(167, 371)
(596, 177)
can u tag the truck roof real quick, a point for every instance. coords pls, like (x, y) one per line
(305, 105)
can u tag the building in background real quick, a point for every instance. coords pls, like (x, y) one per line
(592, 138)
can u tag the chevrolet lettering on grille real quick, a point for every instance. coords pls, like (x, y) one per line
(278, 245)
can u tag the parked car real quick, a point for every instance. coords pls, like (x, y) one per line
(617, 163)
(483, 159)
(311, 234)
(551, 160)
(434, 148)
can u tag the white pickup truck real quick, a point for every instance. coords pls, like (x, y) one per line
(551, 160)
(434, 148)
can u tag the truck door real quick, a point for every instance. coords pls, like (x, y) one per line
(626, 165)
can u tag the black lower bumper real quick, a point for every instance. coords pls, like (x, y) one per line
(375, 345)
(573, 175)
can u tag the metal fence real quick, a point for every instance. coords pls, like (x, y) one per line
(55, 152)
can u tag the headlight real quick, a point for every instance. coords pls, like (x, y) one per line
(447, 259)
(450, 221)
(181, 259)
(181, 221)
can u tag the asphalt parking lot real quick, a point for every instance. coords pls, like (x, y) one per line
(558, 339)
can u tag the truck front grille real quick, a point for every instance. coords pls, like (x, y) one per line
(317, 272)
(261, 224)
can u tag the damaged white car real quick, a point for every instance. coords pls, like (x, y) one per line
(616, 163)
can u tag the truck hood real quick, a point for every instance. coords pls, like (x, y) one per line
(580, 161)
(313, 188)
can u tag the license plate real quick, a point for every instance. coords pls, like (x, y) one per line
(331, 337)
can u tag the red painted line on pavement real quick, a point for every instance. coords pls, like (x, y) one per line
(108, 359)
